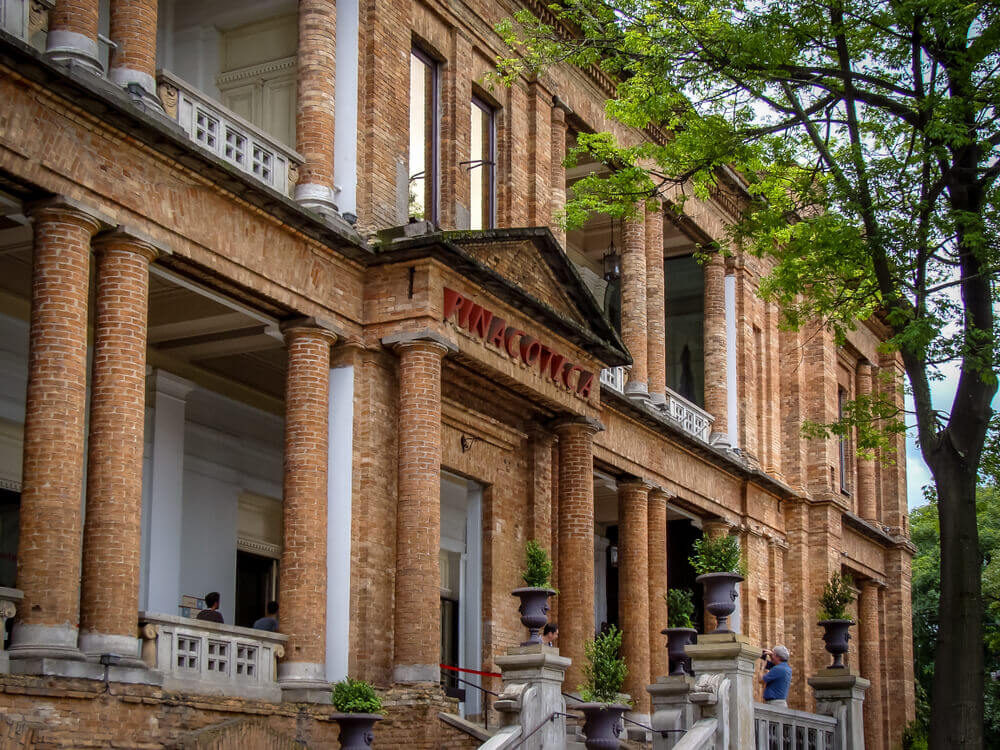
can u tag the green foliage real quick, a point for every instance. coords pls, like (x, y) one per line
(925, 592)
(719, 555)
(837, 594)
(356, 697)
(914, 737)
(680, 607)
(537, 565)
(605, 670)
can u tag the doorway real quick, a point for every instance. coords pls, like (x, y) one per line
(256, 585)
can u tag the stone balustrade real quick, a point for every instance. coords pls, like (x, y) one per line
(210, 658)
(225, 134)
(689, 417)
(779, 728)
(9, 599)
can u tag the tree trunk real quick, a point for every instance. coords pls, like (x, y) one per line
(957, 701)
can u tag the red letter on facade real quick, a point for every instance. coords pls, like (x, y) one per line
(512, 335)
(497, 329)
(584, 384)
(452, 302)
(531, 349)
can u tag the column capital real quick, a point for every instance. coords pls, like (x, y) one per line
(424, 337)
(660, 492)
(135, 239)
(560, 106)
(315, 326)
(71, 208)
(637, 482)
(717, 527)
(568, 424)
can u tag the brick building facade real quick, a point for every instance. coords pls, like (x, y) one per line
(286, 314)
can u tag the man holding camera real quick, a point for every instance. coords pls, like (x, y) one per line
(777, 676)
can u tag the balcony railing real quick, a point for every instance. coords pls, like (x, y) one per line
(692, 419)
(9, 599)
(14, 16)
(785, 729)
(227, 135)
(206, 657)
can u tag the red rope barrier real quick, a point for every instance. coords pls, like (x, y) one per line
(469, 671)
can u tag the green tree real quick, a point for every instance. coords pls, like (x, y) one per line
(925, 596)
(865, 137)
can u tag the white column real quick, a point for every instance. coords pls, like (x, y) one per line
(345, 137)
(338, 525)
(162, 532)
(732, 394)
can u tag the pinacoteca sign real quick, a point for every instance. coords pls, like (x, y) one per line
(493, 330)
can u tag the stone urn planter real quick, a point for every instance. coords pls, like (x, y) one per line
(602, 724)
(357, 731)
(836, 635)
(720, 597)
(534, 610)
(677, 639)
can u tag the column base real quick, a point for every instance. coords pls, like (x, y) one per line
(126, 648)
(658, 400)
(140, 86)
(319, 198)
(636, 390)
(72, 48)
(720, 440)
(44, 642)
(303, 682)
(413, 673)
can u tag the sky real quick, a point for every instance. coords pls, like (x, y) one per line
(917, 473)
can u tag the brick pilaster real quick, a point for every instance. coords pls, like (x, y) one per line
(111, 534)
(557, 183)
(716, 402)
(634, 332)
(633, 595)
(576, 542)
(540, 443)
(898, 663)
(316, 68)
(48, 560)
(302, 574)
(133, 29)
(657, 556)
(539, 155)
(72, 37)
(867, 506)
(870, 644)
(418, 513)
(656, 343)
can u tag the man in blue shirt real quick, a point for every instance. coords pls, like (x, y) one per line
(777, 676)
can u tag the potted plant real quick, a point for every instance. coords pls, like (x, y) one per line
(679, 631)
(603, 705)
(359, 708)
(720, 567)
(535, 595)
(834, 618)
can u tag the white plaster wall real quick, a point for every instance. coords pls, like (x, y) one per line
(338, 523)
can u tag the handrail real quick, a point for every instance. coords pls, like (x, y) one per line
(699, 736)
(661, 732)
(486, 709)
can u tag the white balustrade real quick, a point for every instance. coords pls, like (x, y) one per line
(9, 600)
(14, 16)
(207, 657)
(786, 729)
(225, 134)
(692, 419)
(614, 377)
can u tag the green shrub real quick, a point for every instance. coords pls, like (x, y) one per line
(837, 595)
(914, 737)
(605, 670)
(680, 607)
(538, 566)
(719, 555)
(356, 697)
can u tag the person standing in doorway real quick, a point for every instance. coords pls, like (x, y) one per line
(270, 620)
(211, 612)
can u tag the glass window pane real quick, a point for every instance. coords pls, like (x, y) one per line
(423, 135)
(482, 166)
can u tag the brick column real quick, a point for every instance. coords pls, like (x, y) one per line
(657, 555)
(656, 341)
(540, 442)
(302, 573)
(72, 36)
(111, 534)
(48, 560)
(634, 332)
(716, 402)
(418, 511)
(866, 467)
(576, 541)
(133, 29)
(871, 662)
(557, 193)
(316, 69)
(633, 594)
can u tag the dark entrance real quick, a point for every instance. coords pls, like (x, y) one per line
(10, 506)
(256, 582)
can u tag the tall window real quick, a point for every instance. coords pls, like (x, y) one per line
(841, 399)
(424, 136)
(482, 166)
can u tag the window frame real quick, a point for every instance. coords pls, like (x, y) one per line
(431, 212)
(490, 162)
